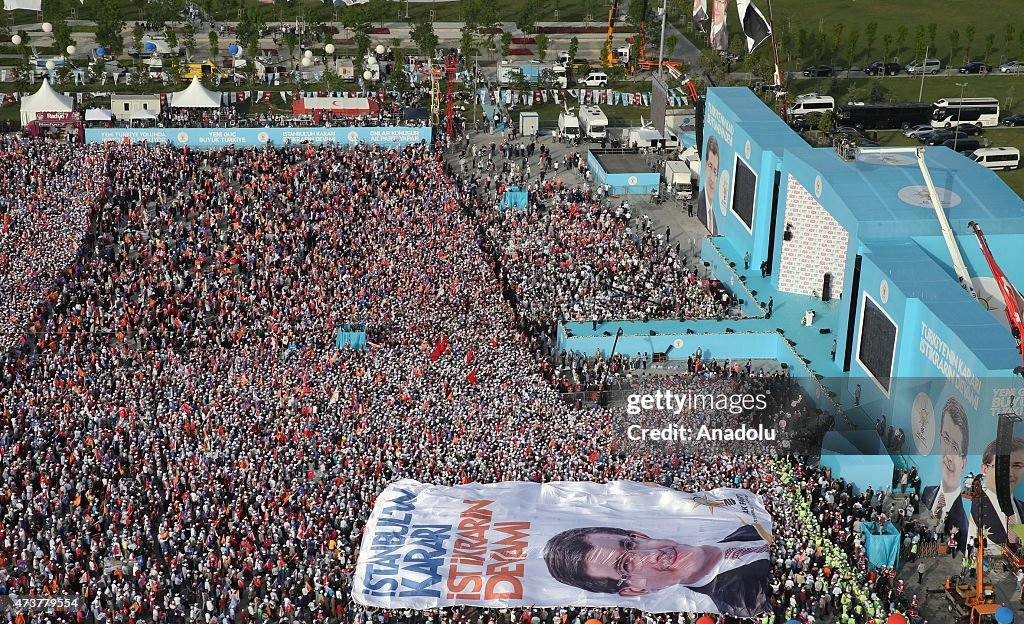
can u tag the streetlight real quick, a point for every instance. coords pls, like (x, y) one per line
(16, 40)
(959, 110)
(47, 27)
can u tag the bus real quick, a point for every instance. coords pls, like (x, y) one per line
(883, 116)
(951, 112)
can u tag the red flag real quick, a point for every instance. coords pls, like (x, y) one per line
(470, 356)
(593, 457)
(472, 377)
(439, 348)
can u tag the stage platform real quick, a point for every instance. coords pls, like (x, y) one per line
(625, 171)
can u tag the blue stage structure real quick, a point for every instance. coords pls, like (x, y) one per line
(881, 544)
(515, 197)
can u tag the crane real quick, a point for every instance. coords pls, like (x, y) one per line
(1011, 296)
(611, 57)
(959, 266)
(642, 62)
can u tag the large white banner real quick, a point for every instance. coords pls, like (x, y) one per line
(719, 28)
(566, 544)
(700, 10)
(755, 27)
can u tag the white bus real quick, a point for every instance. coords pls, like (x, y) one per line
(951, 112)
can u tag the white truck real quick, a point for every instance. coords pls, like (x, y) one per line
(533, 73)
(568, 124)
(679, 178)
(593, 122)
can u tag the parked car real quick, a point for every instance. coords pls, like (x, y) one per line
(818, 71)
(1012, 67)
(884, 69)
(1014, 120)
(975, 67)
(970, 129)
(928, 66)
(938, 138)
(919, 131)
(962, 145)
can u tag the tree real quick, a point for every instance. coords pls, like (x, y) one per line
(62, 33)
(574, 46)
(920, 41)
(851, 47)
(526, 20)
(292, 41)
(837, 40)
(172, 39)
(990, 42)
(399, 81)
(189, 39)
(969, 33)
(870, 32)
(506, 43)
(424, 37)
(1010, 31)
(542, 46)
(671, 42)
(214, 44)
(138, 32)
(468, 41)
(933, 32)
(803, 44)
(109, 25)
(886, 46)
(1020, 43)
(954, 44)
(825, 123)
(901, 37)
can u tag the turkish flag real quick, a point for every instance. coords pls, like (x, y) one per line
(439, 348)
(470, 356)
(472, 377)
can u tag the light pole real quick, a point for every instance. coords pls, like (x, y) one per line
(959, 110)
(922, 67)
(661, 45)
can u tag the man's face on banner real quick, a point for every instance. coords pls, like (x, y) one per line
(1016, 471)
(641, 564)
(710, 177)
(954, 458)
(721, 6)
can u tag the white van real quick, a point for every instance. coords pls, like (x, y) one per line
(812, 103)
(1005, 158)
(595, 79)
(929, 66)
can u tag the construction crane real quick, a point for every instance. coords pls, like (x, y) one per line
(1011, 296)
(959, 266)
(611, 57)
(451, 66)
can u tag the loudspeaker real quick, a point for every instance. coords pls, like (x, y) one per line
(826, 287)
(1004, 435)
(654, 333)
(826, 330)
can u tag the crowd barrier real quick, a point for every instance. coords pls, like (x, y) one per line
(214, 138)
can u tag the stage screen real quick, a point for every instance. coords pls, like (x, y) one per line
(743, 193)
(877, 343)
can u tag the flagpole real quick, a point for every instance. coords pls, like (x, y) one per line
(778, 70)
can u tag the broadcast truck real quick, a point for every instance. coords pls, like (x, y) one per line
(593, 122)
(568, 124)
(678, 178)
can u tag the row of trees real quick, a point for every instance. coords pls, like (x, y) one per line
(849, 44)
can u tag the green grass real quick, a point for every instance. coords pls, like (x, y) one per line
(1008, 89)
(999, 137)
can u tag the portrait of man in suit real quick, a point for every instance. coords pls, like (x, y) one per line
(706, 201)
(945, 501)
(732, 572)
(985, 510)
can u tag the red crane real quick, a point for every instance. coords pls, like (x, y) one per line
(451, 66)
(1011, 296)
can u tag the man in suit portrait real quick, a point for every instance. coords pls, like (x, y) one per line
(945, 501)
(985, 509)
(706, 200)
(732, 572)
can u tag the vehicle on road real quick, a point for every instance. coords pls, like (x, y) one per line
(927, 66)
(970, 129)
(818, 71)
(919, 131)
(883, 115)
(1012, 67)
(962, 145)
(595, 79)
(1014, 120)
(940, 137)
(1005, 158)
(975, 67)
(949, 112)
(878, 68)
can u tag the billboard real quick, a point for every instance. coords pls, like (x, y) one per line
(213, 138)
(714, 200)
(566, 543)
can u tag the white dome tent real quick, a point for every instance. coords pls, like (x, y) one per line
(45, 100)
(195, 96)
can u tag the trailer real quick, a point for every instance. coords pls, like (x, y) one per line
(593, 122)
(883, 116)
(679, 179)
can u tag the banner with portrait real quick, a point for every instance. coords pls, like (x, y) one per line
(620, 544)
(719, 28)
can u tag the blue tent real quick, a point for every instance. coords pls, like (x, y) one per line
(882, 544)
(515, 197)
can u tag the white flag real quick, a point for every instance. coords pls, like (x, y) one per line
(755, 26)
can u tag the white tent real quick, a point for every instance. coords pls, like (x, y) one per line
(195, 96)
(98, 114)
(45, 100)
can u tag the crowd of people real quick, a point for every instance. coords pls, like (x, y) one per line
(181, 441)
